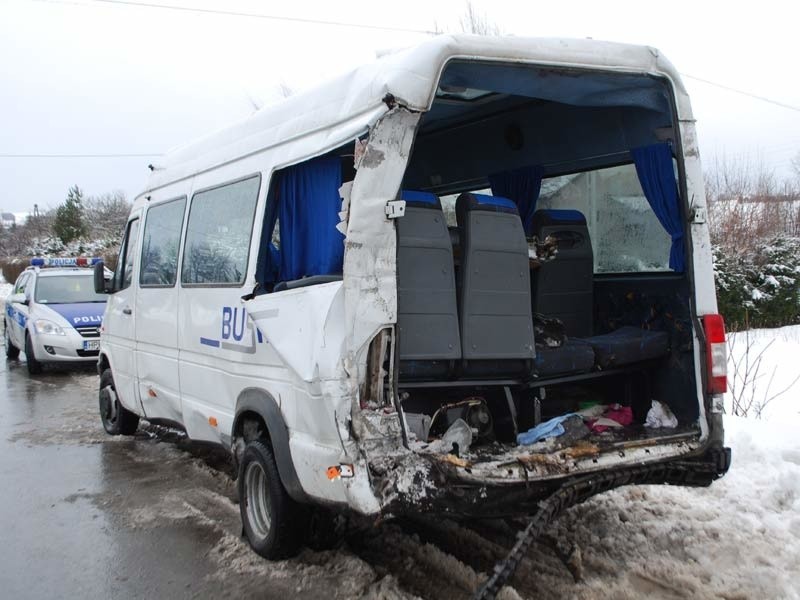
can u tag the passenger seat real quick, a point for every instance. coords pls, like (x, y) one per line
(564, 288)
(427, 320)
(494, 289)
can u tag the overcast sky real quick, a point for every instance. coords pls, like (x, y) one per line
(99, 77)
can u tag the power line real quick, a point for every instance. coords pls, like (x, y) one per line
(81, 155)
(233, 13)
(743, 92)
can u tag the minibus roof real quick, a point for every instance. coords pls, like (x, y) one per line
(327, 115)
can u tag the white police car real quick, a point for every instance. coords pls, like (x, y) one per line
(53, 313)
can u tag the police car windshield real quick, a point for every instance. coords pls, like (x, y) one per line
(67, 289)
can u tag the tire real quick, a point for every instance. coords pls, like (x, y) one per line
(272, 521)
(117, 420)
(12, 351)
(34, 366)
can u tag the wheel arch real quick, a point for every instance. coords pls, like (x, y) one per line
(102, 363)
(257, 410)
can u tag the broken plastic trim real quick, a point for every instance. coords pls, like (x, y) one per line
(380, 355)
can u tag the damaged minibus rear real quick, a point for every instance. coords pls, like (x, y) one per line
(479, 275)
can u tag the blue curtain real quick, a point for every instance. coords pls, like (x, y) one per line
(522, 186)
(656, 174)
(269, 257)
(308, 212)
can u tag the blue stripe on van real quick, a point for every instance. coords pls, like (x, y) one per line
(208, 342)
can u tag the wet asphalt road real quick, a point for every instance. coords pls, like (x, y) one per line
(74, 502)
(87, 515)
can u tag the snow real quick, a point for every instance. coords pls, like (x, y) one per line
(739, 538)
(5, 289)
(776, 376)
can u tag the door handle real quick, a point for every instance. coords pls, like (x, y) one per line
(127, 311)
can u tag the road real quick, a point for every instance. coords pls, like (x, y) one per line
(86, 515)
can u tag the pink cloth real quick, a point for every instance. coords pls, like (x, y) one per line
(619, 414)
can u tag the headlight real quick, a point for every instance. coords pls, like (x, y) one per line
(42, 326)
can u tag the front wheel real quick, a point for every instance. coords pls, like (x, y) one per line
(272, 520)
(12, 351)
(117, 420)
(34, 366)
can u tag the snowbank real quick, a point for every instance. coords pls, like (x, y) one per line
(777, 374)
(740, 538)
(5, 289)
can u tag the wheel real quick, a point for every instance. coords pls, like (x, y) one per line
(272, 520)
(34, 366)
(117, 420)
(12, 351)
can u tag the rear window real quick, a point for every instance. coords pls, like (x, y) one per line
(67, 289)
(626, 235)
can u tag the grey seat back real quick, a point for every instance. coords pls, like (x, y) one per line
(494, 294)
(564, 287)
(427, 318)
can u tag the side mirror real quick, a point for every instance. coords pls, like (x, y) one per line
(18, 299)
(101, 286)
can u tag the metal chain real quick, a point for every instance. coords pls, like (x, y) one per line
(678, 472)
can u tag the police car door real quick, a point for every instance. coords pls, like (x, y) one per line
(17, 312)
(119, 324)
(156, 310)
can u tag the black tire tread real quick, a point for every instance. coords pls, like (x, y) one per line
(12, 351)
(127, 422)
(285, 536)
(34, 366)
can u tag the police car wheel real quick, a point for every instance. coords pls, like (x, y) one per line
(11, 350)
(117, 420)
(272, 521)
(34, 366)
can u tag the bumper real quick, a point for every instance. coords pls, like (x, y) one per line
(447, 492)
(69, 348)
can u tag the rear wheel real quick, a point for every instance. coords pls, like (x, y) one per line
(117, 420)
(34, 366)
(11, 350)
(272, 520)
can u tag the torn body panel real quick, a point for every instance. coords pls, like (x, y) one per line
(323, 333)
(511, 483)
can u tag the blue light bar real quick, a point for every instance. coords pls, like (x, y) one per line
(58, 261)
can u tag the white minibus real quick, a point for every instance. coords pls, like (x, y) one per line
(465, 279)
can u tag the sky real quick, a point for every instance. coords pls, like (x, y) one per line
(100, 77)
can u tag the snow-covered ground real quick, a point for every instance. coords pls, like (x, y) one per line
(740, 538)
(764, 372)
(5, 288)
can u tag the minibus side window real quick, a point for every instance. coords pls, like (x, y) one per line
(299, 238)
(218, 234)
(160, 244)
(124, 274)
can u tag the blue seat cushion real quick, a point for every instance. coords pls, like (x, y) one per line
(628, 345)
(571, 358)
(421, 199)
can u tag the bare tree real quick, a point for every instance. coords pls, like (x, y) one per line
(747, 204)
(478, 23)
(748, 392)
(107, 214)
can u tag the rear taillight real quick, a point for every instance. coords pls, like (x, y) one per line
(716, 354)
